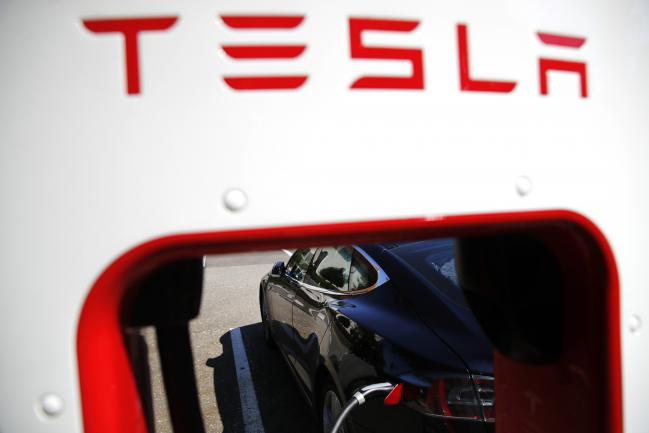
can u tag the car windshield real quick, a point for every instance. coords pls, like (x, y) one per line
(434, 260)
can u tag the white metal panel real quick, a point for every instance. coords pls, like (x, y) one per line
(88, 172)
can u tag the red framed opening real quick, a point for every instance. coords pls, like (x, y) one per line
(109, 395)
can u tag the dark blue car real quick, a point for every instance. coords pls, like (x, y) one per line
(348, 316)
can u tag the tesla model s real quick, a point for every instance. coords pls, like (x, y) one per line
(347, 316)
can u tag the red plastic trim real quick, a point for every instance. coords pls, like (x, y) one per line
(109, 398)
(394, 397)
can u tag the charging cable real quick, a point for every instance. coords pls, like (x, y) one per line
(358, 399)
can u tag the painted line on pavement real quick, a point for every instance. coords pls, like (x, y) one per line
(249, 407)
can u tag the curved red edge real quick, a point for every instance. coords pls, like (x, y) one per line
(109, 398)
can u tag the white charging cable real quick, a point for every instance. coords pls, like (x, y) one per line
(358, 399)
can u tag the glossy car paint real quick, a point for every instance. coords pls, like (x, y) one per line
(380, 335)
(453, 323)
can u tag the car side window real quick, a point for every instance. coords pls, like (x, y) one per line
(299, 262)
(330, 268)
(362, 274)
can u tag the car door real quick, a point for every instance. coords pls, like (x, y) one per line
(281, 294)
(327, 275)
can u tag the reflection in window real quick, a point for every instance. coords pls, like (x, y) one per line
(299, 263)
(330, 268)
(362, 274)
(447, 269)
(434, 260)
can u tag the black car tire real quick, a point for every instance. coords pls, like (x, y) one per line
(263, 306)
(330, 408)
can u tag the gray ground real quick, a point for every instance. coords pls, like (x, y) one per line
(230, 300)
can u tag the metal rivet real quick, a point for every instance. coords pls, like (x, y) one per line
(635, 323)
(235, 200)
(523, 185)
(51, 404)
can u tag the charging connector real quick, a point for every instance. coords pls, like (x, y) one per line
(359, 398)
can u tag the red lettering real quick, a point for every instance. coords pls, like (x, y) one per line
(359, 51)
(560, 40)
(265, 83)
(546, 65)
(129, 28)
(262, 21)
(468, 84)
(263, 52)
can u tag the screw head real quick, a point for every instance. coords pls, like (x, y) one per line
(235, 200)
(523, 185)
(51, 404)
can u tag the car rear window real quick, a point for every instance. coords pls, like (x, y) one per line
(434, 260)
(362, 274)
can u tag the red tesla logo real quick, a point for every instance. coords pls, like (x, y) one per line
(359, 51)
(546, 65)
(249, 52)
(469, 84)
(131, 28)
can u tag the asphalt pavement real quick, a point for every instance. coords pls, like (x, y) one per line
(243, 386)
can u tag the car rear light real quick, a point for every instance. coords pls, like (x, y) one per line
(458, 398)
(486, 390)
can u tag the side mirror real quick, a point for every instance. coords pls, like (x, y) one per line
(278, 269)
